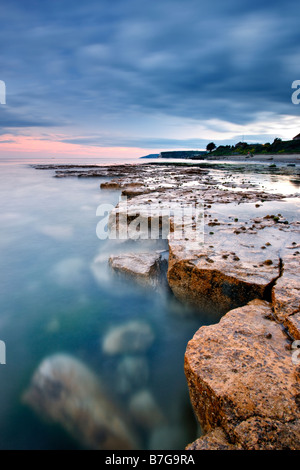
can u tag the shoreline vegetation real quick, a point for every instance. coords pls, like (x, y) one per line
(242, 150)
(277, 147)
(243, 382)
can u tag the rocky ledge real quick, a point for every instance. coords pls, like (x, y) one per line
(144, 268)
(236, 256)
(239, 262)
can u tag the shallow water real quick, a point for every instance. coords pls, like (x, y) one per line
(54, 297)
(57, 295)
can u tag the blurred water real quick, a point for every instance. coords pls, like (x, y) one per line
(55, 298)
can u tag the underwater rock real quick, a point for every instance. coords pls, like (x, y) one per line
(145, 410)
(133, 337)
(132, 373)
(64, 391)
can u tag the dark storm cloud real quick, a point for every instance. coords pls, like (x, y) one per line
(74, 62)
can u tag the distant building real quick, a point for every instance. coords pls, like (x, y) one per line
(297, 137)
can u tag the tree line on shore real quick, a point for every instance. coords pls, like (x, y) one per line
(243, 148)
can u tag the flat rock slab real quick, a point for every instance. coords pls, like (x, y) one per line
(229, 269)
(242, 379)
(144, 268)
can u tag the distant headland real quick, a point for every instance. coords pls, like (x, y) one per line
(277, 147)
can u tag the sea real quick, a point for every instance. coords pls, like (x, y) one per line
(57, 298)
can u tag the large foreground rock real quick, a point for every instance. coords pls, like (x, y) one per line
(65, 391)
(242, 381)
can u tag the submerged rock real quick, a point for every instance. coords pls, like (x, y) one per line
(133, 337)
(132, 373)
(145, 410)
(66, 392)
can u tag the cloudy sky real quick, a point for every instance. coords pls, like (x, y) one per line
(131, 77)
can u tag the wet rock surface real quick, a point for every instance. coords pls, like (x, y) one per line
(286, 292)
(231, 269)
(144, 268)
(241, 379)
(236, 257)
(214, 440)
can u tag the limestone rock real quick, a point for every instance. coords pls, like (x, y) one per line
(66, 392)
(228, 270)
(213, 289)
(144, 268)
(115, 185)
(214, 440)
(286, 292)
(269, 434)
(241, 369)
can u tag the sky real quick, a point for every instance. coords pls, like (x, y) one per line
(121, 78)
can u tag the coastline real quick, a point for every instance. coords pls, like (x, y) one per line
(275, 158)
(246, 267)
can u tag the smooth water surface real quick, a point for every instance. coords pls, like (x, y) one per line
(57, 297)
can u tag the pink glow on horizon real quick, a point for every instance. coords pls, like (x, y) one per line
(25, 146)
